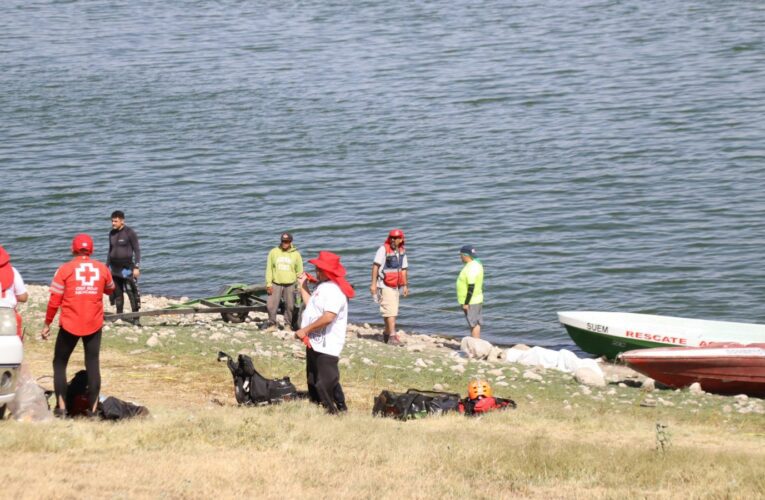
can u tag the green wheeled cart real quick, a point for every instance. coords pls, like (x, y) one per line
(234, 303)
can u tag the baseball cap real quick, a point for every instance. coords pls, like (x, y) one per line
(82, 243)
(468, 250)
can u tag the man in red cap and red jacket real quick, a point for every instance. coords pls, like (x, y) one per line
(77, 289)
(323, 329)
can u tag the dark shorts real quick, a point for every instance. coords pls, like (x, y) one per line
(474, 315)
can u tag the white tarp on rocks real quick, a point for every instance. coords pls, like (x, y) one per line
(563, 360)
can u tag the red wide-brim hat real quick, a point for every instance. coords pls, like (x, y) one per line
(329, 263)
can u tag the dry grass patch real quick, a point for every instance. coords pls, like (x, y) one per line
(199, 444)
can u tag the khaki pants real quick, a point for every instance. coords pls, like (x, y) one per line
(389, 302)
(282, 292)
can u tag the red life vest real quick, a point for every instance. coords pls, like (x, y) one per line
(484, 405)
(392, 268)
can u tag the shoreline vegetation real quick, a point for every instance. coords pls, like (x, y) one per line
(565, 439)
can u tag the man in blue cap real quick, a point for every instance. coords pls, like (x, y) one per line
(470, 289)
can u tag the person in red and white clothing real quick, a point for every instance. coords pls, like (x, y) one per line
(12, 288)
(76, 289)
(323, 329)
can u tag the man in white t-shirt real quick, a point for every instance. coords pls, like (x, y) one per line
(12, 288)
(323, 329)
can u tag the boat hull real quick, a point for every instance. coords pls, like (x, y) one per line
(739, 370)
(606, 345)
(610, 333)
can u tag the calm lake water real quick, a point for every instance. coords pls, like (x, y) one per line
(600, 155)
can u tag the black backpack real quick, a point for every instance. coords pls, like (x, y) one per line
(414, 404)
(111, 408)
(252, 388)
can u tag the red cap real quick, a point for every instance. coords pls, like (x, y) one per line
(396, 233)
(82, 243)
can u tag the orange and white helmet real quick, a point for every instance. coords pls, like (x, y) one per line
(479, 389)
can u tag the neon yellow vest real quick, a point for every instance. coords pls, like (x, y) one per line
(471, 274)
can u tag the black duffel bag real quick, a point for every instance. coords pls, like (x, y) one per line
(414, 403)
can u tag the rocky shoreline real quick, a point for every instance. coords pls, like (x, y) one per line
(427, 353)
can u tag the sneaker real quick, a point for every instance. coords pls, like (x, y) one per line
(266, 325)
(59, 412)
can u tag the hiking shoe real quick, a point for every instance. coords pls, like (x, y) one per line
(266, 325)
(59, 413)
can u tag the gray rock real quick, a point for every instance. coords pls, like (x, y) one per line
(530, 375)
(419, 362)
(695, 389)
(587, 376)
(476, 348)
(153, 342)
(741, 398)
(649, 384)
(458, 368)
(438, 387)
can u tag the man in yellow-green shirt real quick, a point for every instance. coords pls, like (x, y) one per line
(470, 289)
(282, 269)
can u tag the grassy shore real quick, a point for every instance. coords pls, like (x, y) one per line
(563, 440)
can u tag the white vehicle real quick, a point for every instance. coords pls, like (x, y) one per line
(11, 356)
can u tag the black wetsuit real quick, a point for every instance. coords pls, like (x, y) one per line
(124, 253)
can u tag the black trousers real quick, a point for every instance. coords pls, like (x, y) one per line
(65, 343)
(324, 381)
(122, 287)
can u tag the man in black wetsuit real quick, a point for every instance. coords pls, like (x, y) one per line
(124, 261)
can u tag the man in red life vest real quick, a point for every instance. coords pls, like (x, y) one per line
(12, 288)
(77, 288)
(389, 274)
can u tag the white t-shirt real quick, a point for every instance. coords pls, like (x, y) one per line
(380, 261)
(327, 297)
(9, 298)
